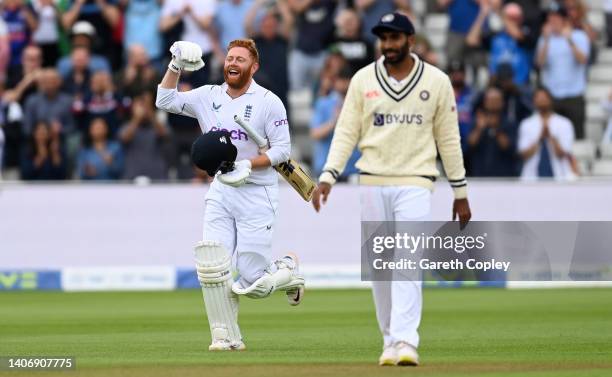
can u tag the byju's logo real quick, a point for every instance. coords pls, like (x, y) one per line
(381, 119)
(234, 134)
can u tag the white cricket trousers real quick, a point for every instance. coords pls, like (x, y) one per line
(398, 303)
(242, 219)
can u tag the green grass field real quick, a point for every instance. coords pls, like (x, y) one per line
(464, 332)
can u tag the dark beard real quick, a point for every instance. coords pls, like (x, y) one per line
(242, 80)
(400, 56)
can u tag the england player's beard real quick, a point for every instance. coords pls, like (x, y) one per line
(399, 55)
(237, 82)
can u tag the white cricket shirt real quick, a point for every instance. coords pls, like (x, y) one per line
(215, 109)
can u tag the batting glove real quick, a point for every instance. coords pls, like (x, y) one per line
(185, 55)
(238, 176)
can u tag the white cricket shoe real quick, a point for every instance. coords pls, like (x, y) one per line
(388, 356)
(294, 296)
(222, 345)
(406, 354)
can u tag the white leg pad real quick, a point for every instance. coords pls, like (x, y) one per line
(213, 265)
(283, 279)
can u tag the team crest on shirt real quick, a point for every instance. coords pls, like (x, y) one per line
(247, 112)
(424, 95)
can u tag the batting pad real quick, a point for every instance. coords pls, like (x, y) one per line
(213, 265)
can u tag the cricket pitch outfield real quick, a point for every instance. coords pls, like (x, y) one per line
(464, 332)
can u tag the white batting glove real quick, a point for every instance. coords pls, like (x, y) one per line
(185, 55)
(238, 176)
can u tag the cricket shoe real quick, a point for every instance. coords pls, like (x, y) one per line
(406, 354)
(295, 295)
(388, 356)
(223, 345)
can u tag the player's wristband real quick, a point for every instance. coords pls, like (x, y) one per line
(174, 67)
(329, 176)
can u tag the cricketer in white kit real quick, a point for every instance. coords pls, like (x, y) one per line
(400, 112)
(241, 205)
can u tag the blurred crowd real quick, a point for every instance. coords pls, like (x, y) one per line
(78, 78)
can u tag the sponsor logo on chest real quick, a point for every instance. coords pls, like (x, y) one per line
(234, 134)
(388, 119)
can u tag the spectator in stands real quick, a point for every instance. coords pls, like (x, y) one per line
(105, 17)
(197, 19)
(78, 79)
(227, 20)
(272, 39)
(334, 63)
(49, 105)
(142, 27)
(326, 111)
(44, 157)
(5, 49)
(184, 130)
(406, 8)
(138, 75)
(11, 130)
(356, 50)
(487, 23)
(608, 10)
(102, 102)
(1, 149)
(144, 141)
(21, 22)
(517, 98)
(506, 46)
(545, 141)
(533, 19)
(577, 16)
(22, 84)
(491, 143)
(462, 14)
(3, 107)
(314, 34)
(607, 105)
(464, 96)
(22, 81)
(46, 35)
(371, 12)
(101, 159)
(562, 55)
(422, 47)
(83, 35)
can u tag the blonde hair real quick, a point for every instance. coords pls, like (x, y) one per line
(249, 44)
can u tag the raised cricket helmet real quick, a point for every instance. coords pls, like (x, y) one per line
(213, 152)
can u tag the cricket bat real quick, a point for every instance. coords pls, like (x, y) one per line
(290, 170)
